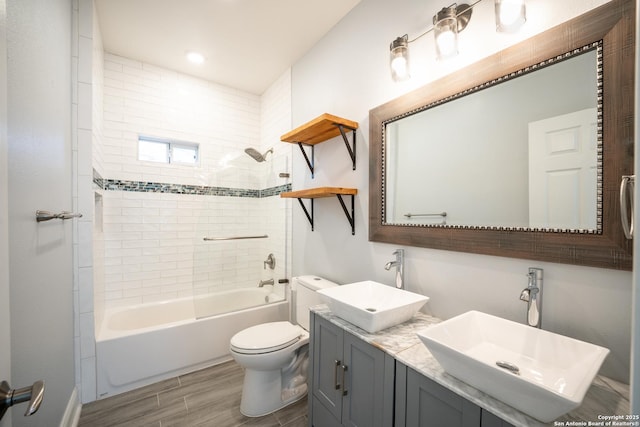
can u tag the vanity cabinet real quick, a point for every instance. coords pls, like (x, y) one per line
(421, 402)
(352, 382)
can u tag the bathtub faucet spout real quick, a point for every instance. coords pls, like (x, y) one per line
(265, 282)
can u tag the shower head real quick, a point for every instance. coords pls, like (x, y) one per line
(256, 154)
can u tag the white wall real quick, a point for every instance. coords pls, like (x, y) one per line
(347, 74)
(5, 319)
(85, 95)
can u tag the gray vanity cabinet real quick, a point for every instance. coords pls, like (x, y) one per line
(490, 420)
(352, 382)
(421, 402)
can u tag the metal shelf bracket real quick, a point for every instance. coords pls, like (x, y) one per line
(352, 151)
(350, 217)
(311, 162)
(306, 212)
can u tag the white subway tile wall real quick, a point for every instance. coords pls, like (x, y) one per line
(153, 242)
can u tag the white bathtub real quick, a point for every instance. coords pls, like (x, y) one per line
(143, 344)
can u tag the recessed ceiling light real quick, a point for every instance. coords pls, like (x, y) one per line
(195, 57)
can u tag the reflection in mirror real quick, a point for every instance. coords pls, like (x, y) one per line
(521, 152)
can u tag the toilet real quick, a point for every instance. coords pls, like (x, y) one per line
(275, 355)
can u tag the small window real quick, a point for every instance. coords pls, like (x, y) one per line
(167, 151)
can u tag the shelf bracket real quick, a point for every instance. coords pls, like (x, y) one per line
(350, 217)
(306, 212)
(352, 151)
(311, 162)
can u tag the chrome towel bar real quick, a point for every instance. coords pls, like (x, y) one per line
(442, 214)
(210, 239)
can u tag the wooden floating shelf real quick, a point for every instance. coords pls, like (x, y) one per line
(315, 193)
(320, 192)
(318, 130)
(321, 129)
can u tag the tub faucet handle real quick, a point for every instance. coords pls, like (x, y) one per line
(270, 262)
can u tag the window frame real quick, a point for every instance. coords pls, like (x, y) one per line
(170, 144)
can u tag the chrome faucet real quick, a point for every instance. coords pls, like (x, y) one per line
(399, 265)
(532, 295)
(265, 282)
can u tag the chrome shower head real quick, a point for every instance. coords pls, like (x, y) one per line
(255, 154)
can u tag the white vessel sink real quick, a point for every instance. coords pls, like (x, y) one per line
(555, 371)
(372, 306)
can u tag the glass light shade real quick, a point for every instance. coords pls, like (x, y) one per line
(399, 59)
(446, 33)
(510, 15)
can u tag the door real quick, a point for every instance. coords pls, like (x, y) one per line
(39, 159)
(328, 348)
(562, 171)
(432, 405)
(364, 402)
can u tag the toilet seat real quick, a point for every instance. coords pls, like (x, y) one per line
(266, 338)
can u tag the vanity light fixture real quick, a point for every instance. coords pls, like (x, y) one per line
(447, 23)
(399, 60)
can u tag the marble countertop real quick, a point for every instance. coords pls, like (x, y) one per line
(606, 397)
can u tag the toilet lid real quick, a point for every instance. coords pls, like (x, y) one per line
(266, 337)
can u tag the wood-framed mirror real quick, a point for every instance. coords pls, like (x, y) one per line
(396, 203)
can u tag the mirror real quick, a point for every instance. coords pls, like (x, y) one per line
(538, 171)
(520, 154)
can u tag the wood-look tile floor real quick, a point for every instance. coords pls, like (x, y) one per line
(205, 398)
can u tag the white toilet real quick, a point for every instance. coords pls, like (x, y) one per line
(275, 355)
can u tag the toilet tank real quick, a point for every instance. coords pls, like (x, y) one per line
(305, 296)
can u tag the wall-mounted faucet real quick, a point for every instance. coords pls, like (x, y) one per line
(265, 282)
(270, 262)
(532, 295)
(399, 265)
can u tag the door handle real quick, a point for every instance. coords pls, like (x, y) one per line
(335, 374)
(344, 388)
(10, 397)
(626, 195)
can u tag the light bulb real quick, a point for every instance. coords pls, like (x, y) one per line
(510, 15)
(445, 32)
(447, 44)
(399, 59)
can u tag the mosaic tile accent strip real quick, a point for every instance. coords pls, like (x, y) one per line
(157, 187)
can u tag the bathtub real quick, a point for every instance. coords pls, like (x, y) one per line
(143, 344)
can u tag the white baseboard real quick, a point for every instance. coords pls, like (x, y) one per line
(71, 414)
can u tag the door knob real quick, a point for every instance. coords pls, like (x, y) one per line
(10, 397)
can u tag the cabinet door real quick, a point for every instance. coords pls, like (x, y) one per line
(431, 405)
(328, 349)
(365, 399)
(490, 420)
